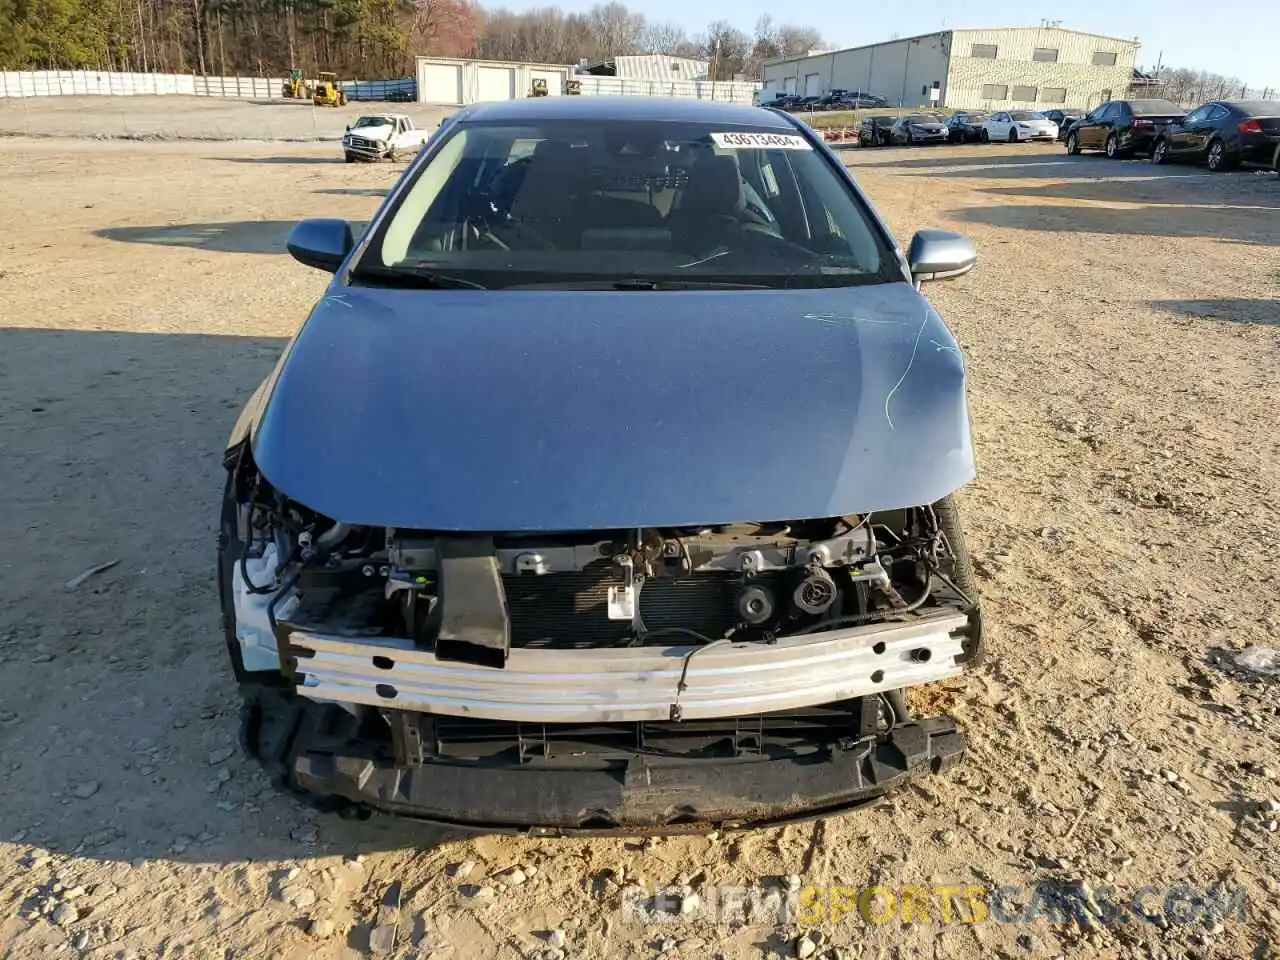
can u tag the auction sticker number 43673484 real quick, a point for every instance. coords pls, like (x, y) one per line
(760, 141)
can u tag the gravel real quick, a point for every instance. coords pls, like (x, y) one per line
(152, 279)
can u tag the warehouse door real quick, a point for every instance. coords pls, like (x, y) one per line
(812, 84)
(553, 78)
(440, 82)
(789, 85)
(495, 83)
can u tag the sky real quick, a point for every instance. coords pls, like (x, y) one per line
(1230, 37)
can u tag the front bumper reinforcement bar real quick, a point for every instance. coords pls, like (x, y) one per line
(616, 684)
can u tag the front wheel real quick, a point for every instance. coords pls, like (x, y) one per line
(1217, 158)
(1013, 135)
(350, 157)
(1113, 147)
(1073, 145)
(959, 569)
(985, 136)
(1160, 152)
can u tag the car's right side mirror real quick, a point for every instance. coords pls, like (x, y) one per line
(939, 255)
(322, 244)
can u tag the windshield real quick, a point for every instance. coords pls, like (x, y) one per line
(561, 202)
(923, 118)
(1023, 115)
(372, 122)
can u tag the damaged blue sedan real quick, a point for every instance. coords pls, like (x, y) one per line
(608, 487)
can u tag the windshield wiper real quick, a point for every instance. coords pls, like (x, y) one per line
(412, 275)
(638, 284)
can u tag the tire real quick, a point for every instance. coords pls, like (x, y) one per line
(1013, 135)
(392, 155)
(1073, 144)
(1160, 152)
(985, 136)
(350, 157)
(1216, 157)
(1113, 147)
(961, 573)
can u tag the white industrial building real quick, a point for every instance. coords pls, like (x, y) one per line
(649, 66)
(451, 82)
(1034, 67)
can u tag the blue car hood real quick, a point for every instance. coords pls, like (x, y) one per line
(569, 410)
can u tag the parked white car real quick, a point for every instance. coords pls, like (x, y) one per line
(1015, 125)
(381, 136)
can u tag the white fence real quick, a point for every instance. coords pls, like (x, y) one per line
(727, 91)
(54, 83)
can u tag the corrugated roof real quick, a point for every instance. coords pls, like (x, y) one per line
(938, 33)
(660, 66)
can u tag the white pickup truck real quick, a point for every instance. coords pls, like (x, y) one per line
(382, 136)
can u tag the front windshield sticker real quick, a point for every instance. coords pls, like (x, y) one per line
(760, 141)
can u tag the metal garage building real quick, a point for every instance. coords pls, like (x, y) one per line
(455, 82)
(1035, 67)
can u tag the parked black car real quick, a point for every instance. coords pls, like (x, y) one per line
(965, 127)
(783, 101)
(874, 131)
(1121, 128)
(1223, 133)
(856, 99)
(918, 128)
(1063, 118)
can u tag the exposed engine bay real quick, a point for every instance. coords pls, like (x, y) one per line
(472, 599)
(581, 651)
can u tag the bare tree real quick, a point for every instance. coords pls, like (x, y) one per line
(617, 30)
(727, 48)
(667, 38)
(794, 41)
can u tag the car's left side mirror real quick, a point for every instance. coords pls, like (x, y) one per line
(939, 255)
(321, 243)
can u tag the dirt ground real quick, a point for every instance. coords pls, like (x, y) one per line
(203, 118)
(1122, 333)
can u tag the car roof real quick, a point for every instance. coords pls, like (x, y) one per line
(1253, 108)
(687, 109)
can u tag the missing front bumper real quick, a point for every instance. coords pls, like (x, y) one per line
(638, 797)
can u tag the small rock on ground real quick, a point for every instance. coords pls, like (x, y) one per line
(296, 895)
(320, 928)
(554, 938)
(221, 755)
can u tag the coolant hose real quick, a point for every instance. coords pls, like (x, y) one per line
(331, 538)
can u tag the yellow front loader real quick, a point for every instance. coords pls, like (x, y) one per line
(327, 93)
